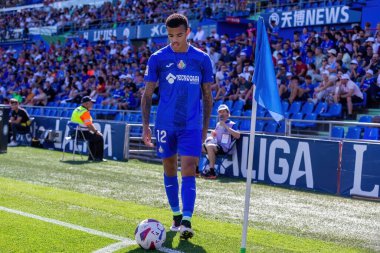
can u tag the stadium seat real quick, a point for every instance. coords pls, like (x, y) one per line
(212, 123)
(353, 132)
(236, 113)
(297, 116)
(229, 103)
(247, 113)
(310, 116)
(295, 107)
(238, 105)
(285, 106)
(215, 107)
(371, 133)
(321, 108)
(337, 132)
(281, 129)
(118, 117)
(365, 119)
(260, 125)
(245, 125)
(271, 127)
(333, 111)
(307, 108)
(261, 112)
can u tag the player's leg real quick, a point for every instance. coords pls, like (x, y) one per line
(189, 147)
(188, 194)
(167, 150)
(171, 189)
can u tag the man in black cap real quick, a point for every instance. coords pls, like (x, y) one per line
(81, 115)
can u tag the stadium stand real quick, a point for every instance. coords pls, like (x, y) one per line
(56, 73)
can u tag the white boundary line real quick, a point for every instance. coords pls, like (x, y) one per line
(123, 241)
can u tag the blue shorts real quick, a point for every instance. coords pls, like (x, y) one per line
(183, 142)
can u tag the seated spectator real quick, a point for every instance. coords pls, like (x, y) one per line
(306, 90)
(221, 139)
(348, 93)
(370, 86)
(19, 121)
(40, 98)
(325, 90)
(81, 115)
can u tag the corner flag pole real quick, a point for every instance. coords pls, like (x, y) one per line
(266, 95)
(249, 173)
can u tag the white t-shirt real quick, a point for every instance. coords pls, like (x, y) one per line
(352, 86)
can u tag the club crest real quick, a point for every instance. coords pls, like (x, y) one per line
(181, 64)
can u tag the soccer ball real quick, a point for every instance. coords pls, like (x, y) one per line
(150, 234)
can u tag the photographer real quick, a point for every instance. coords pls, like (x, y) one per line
(221, 139)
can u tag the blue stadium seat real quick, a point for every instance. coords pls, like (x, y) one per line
(118, 117)
(297, 115)
(310, 116)
(271, 127)
(247, 113)
(307, 108)
(229, 103)
(261, 112)
(337, 132)
(53, 113)
(281, 129)
(212, 123)
(365, 119)
(333, 111)
(260, 125)
(285, 106)
(321, 108)
(238, 105)
(66, 114)
(295, 107)
(236, 113)
(353, 132)
(215, 107)
(245, 125)
(371, 133)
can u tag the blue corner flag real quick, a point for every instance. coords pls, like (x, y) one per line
(264, 78)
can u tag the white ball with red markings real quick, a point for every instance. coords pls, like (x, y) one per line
(150, 234)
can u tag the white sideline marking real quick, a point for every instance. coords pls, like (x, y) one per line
(113, 247)
(123, 241)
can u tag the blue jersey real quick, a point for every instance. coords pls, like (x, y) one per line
(180, 76)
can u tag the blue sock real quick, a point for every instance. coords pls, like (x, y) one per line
(188, 194)
(171, 188)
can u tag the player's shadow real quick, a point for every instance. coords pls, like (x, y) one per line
(184, 245)
(188, 246)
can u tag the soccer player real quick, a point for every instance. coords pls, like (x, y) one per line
(184, 75)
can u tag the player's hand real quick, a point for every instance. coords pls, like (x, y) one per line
(147, 137)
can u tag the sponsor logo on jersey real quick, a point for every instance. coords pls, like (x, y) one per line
(182, 78)
(170, 78)
(169, 65)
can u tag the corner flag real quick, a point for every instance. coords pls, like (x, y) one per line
(264, 78)
(266, 94)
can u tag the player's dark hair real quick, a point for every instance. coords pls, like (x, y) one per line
(176, 20)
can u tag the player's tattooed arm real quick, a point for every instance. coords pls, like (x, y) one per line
(207, 107)
(146, 102)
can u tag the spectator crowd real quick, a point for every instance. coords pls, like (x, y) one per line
(310, 66)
